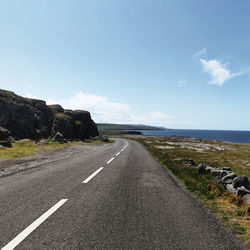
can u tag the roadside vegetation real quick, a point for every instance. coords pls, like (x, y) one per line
(171, 152)
(28, 147)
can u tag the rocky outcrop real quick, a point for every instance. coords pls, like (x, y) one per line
(238, 185)
(23, 117)
(33, 119)
(73, 124)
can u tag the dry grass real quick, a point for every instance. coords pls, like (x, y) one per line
(62, 115)
(28, 147)
(232, 210)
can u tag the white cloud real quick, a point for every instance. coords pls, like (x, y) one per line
(103, 110)
(200, 53)
(219, 72)
(31, 96)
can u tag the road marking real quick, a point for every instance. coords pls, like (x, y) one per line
(111, 160)
(20, 237)
(118, 153)
(122, 150)
(93, 175)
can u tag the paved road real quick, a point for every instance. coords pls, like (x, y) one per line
(95, 201)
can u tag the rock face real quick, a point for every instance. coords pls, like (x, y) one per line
(33, 119)
(23, 117)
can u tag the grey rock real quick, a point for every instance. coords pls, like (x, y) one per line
(4, 133)
(24, 117)
(226, 168)
(189, 162)
(58, 137)
(241, 191)
(228, 179)
(6, 143)
(43, 141)
(241, 181)
(215, 171)
(223, 173)
(231, 188)
(105, 138)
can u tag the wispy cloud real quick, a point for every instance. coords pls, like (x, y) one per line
(218, 71)
(104, 110)
(200, 53)
(182, 82)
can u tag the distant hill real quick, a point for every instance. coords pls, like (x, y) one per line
(110, 126)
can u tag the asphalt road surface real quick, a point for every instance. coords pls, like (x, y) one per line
(114, 197)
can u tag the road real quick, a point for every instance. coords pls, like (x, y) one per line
(115, 197)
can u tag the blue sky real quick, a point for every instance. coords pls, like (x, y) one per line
(172, 63)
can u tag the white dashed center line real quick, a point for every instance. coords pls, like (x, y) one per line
(118, 153)
(20, 237)
(111, 160)
(93, 175)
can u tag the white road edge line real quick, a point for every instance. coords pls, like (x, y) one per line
(118, 153)
(93, 175)
(110, 160)
(20, 237)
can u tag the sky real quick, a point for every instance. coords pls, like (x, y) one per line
(172, 63)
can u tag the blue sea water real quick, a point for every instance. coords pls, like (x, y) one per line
(222, 135)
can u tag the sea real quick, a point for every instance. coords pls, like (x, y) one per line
(221, 135)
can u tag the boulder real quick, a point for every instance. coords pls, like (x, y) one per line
(105, 138)
(241, 191)
(6, 143)
(58, 137)
(4, 133)
(209, 169)
(215, 171)
(189, 162)
(241, 181)
(226, 168)
(228, 179)
(231, 188)
(222, 173)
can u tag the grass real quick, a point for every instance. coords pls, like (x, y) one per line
(59, 114)
(28, 147)
(232, 210)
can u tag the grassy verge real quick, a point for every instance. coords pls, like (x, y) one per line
(232, 210)
(28, 147)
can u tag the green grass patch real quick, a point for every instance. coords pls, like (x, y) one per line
(28, 147)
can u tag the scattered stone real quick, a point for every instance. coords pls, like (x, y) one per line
(58, 137)
(209, 169)
(4, 133)
(202, 168)
(6, 143)
(222, 173)
(228, 179)
(189, 162)
(231, 188)
(165, 147)
(241, 191)
(105, 138)
(226, 168)
(43, 142)
(215, 171)
(241, 181)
